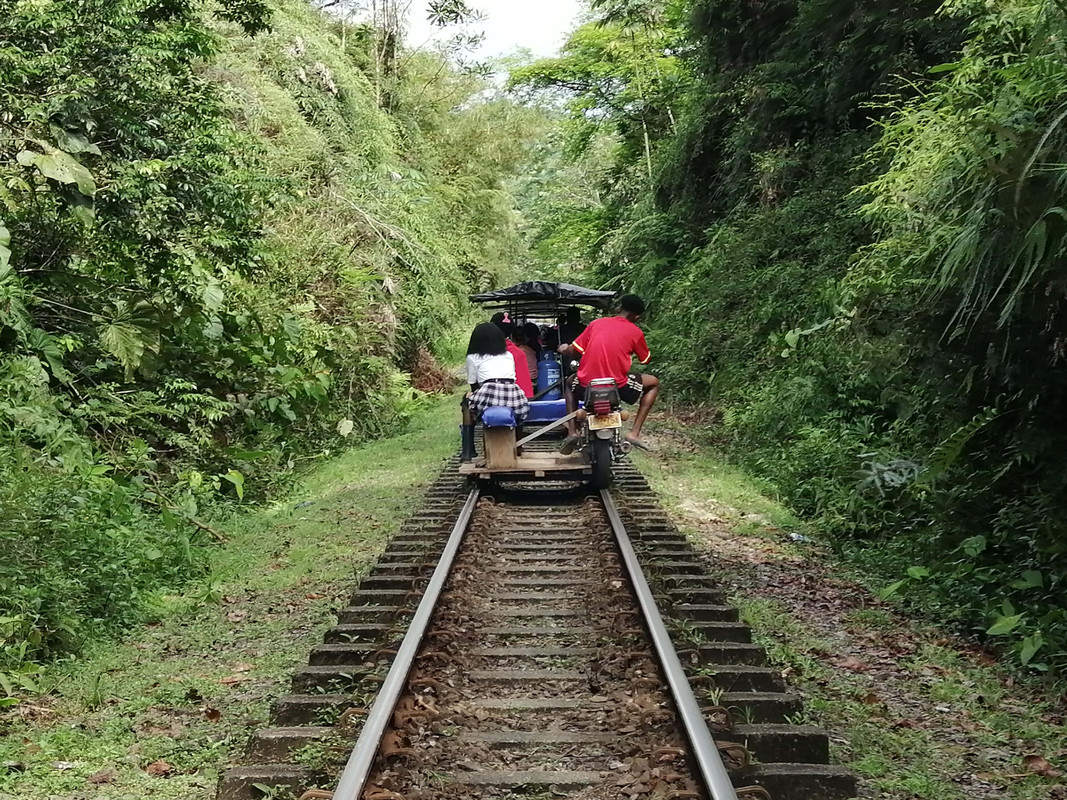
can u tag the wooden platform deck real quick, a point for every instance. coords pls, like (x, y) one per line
(538, 465)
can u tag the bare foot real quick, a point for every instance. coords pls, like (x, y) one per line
(640, 445)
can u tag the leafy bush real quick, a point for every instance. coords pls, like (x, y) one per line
(852, 239)
(78, 551)
(220, 252)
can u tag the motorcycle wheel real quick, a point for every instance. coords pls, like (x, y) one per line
(601, 453)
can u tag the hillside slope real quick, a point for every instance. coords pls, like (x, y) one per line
(219, 255)
(848, 219)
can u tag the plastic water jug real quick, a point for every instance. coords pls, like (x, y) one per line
(548, 372)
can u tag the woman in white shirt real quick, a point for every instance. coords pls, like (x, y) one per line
(491, 375)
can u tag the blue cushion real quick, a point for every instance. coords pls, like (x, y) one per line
(498, 417)
(547, 410)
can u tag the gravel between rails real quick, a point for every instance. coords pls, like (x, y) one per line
(534, 686)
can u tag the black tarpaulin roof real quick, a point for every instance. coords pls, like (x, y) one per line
(543, 297)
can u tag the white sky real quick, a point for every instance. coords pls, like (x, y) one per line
(540, 26)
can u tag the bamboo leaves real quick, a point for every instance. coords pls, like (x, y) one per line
(976, 168)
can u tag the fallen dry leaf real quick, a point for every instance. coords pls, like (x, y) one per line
(103, 776)
(854, 664)
(159, 769)
(1041, 766)
(314, 596)
(236, 616)
(242, 666)
(229, 680)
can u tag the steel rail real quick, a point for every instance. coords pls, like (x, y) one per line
(704, 751)
(358, 769)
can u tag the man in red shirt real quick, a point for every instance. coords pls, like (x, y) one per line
(607, 348)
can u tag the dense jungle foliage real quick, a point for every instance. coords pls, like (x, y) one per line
(226, 235)
(849, 220)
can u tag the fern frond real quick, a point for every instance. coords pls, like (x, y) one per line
(948, 452)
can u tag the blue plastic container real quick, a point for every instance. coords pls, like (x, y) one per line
(548, 371)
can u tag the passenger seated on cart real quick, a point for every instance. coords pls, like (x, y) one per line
(533, 338)
(607, 347)
(550, 339)
(520, 338)
(491, 375)
(522, 375)
(570, 325)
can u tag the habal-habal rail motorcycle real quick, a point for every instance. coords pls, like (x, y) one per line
(599, 427)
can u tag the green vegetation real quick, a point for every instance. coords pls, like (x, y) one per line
(848, 219)
(225, 240)
(915, 713)
(187, 690)
(231, 233)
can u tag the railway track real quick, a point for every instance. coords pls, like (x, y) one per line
(541, 644)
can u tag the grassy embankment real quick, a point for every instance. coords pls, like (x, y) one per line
(917, 712)
(179, 697)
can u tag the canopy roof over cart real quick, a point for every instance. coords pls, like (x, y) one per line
(542, 298)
